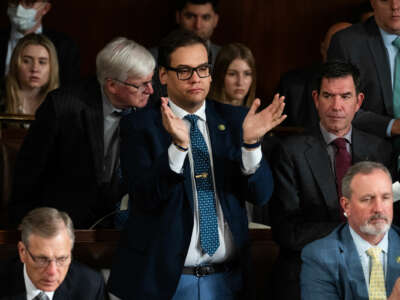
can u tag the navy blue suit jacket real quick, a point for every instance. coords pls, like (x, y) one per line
(332, 270)
(155, 242)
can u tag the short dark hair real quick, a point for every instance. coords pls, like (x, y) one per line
(363, 167)
(16, 2)
(338, 69)
(176, 39)
(180, 4)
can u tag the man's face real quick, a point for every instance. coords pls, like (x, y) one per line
(187, 94)
(198, 18)
(123, 95)
(41, 8)
(48, 277)
(370, 208)
(387, 15)
(337, 104)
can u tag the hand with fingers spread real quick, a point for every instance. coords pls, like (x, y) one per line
(256, 125)
(174, 125)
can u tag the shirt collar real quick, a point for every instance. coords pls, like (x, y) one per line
(181, 113)
(16, 35)
(31, 290)
(362, 245)
(330, 137)
(387, 38)
(108, 108)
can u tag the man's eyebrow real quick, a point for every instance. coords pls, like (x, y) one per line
(190, 67)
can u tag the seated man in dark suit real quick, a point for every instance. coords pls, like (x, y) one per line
(308, 170)
(70, 157)
(47, 270)
(358, 260)
(26, 17)
(191, 163)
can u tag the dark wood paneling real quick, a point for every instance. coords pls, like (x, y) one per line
(283, 34)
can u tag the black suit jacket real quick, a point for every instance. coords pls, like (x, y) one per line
(81, 283)
(60, 163)
(362, 45)
(67, 53)
(305, 203)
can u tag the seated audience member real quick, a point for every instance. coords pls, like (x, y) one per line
(234, 76)
(25, 18)
(201, 18)
(359, 259)
(45, 269)
(297, 87)
(308, 170)
(374, 47)
(33, 74)
(70, 157)
(191, 164)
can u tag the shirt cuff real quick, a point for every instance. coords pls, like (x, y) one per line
(176, 158)
(389, 128)
(251, 160)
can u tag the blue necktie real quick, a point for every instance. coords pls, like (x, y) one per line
(205, 192)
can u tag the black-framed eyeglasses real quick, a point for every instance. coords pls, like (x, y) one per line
(185, 73)
(141, 88)
(43, 262)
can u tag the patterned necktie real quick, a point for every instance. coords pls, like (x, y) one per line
(205, 192)
(377, 290)
(41, 296)
(342, 163)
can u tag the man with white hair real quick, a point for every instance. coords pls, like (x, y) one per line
(358, 260)
(45, 269)
(70, 158)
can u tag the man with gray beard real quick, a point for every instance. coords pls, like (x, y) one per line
(360, 259)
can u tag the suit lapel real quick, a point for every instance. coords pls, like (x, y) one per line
(94, 122)
(360, 149)
(18, 288)
(218, 132)
(351, 263)
(320, 165)
(381, 60)
(393, 260)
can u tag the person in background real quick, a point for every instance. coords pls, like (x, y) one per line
(33, 74)
(234, 76)
(70, 157)
(26, 17)
(45, 269)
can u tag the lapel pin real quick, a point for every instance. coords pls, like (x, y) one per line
(398, 259)
(221, 127)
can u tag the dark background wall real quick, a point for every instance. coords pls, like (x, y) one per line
(283, 34)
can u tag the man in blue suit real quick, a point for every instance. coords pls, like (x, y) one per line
(165, 252)
(341, 265)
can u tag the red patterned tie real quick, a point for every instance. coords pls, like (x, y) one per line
(342, 163)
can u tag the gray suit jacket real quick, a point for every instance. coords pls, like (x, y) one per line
(332, 270)
(362, 45)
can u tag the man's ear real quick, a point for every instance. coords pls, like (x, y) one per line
(21, 251)
(110, 86)
(345, 203)
(315, 96)
(163, 75)
(178, 17)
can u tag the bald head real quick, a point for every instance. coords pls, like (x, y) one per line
(327, 40)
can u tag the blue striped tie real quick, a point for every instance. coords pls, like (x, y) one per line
(205, 193)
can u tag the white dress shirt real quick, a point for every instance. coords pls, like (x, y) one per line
(31, 290)
(362, 246)
(251, 161)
